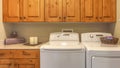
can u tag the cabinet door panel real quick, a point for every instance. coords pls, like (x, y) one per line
(71, 10)
(109, 10)
(26, 66)
(98, 10)
(33, 10)
(5, 63)
(53, 10)
(27, 63)
(11, 10)
(87, 11)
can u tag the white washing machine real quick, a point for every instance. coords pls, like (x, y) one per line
(98, 56)
(62, 51)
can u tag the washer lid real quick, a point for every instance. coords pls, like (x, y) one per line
(96, 46)
(61, 46)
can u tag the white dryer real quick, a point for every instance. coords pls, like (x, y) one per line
(62, 51)
(98, 56)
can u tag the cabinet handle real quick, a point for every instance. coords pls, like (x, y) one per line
(106, 16)
(25, 53)
(22, 18)
(89, 16)
(2, 54)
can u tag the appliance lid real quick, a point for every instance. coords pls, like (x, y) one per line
(62, 46)
(96, 46)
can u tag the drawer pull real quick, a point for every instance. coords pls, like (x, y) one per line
(2, 54)
(25, 53)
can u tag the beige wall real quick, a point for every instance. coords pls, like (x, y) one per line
(117, 28)
(2, 31)
(0, 10)
(42, 30)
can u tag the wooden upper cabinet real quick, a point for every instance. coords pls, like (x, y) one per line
(109, 10)
(53, 10)
(23, 10)
(88, 11)
(71, 10)
(11, 10)
(59, 10)
(62, 10)
(33, 10)
(98, 10)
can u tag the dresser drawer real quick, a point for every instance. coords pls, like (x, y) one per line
(26, 53)
(6, 54)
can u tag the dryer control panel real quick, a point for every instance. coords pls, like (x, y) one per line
(93, 36)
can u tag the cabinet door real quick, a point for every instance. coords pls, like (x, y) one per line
(27, 63)
(33, 10)
(98, 11)
(105, 62)
(71, 10)
(53, 10)
(87, 11)
(6, 63)
(109, 10)
(11, 10)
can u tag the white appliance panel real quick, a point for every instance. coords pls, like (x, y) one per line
(62, 59)
(105, 62)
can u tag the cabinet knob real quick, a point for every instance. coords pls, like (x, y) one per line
(24, 17)
(64, 17)
(20, 18)
(100, 17)
(60, 17)
(96, 17)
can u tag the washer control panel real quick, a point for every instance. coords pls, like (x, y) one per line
(64, 36)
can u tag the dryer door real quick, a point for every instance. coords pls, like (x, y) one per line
(105, 62)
